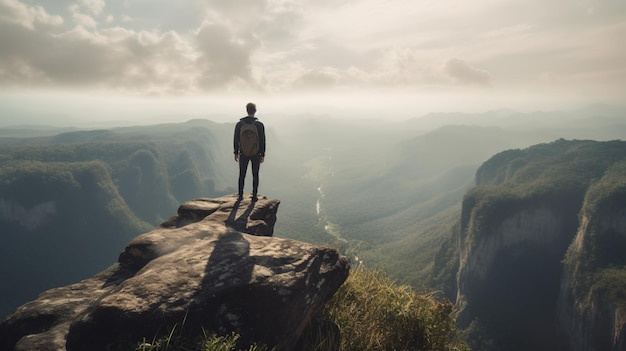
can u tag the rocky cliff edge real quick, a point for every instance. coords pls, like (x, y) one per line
(213, 266)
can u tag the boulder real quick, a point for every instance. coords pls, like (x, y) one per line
(213, 267)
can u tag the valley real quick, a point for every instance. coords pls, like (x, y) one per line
(387, 195)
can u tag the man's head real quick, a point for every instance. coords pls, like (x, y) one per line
(251, 108)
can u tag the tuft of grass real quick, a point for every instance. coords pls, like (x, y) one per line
(375, 314)
(320, 335)
(208, 342)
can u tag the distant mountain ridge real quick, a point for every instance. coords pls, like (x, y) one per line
(598, 122)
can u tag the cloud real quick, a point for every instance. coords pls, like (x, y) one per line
(224, 57)
(281, 22)
(15, 12)
(463, 73)
(242, 12)
(315, 79)
(404, 66)
(94, 6)
(148, 61)
(193, 46)
(395, 68)
(84, 20)
(113, 58)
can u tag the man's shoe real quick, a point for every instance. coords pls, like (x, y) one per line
(240, 197)
(254, 198)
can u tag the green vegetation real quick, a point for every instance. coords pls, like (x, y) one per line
(582, 184)
(609, 193)
(148, 175)
(446, 264)
(372, 312)
(598, 261)
(556, 174)
(175, 342)
(62, 222)
(70, 203)
(612, 281)
(394, 202)
(152, 169)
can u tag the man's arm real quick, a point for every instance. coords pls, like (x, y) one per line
(236, 137)
(261, 129)
(236, 141)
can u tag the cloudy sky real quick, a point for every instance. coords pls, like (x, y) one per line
(113, 58)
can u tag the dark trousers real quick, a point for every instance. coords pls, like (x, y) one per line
(243, 169)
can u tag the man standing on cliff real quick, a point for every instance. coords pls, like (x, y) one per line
(249, 145)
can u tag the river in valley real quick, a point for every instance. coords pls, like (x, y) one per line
(321, 170)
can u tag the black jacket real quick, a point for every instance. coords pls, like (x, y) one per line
(260, 128)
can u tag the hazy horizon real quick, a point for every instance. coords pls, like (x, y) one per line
(79, 62)
(96, 111)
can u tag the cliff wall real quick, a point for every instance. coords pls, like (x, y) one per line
(592, 298)
(515, 229)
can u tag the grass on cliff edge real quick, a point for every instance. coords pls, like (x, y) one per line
(373, 314)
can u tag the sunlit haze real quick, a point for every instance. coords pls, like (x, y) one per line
(94, 61)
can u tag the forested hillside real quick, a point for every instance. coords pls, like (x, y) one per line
(392, 193)
(504, 261)
(396, 208)
(70, 202)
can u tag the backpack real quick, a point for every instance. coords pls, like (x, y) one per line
(249, 139)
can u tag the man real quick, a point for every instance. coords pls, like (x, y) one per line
(249, 145)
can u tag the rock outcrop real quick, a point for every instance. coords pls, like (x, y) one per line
(203, 269)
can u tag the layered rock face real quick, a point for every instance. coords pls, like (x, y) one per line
(592, 299)
(509, 242)
(203, 269)
(590, 317)
(509, 278)
(531, 211)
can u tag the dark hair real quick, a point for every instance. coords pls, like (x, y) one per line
(251, 108)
